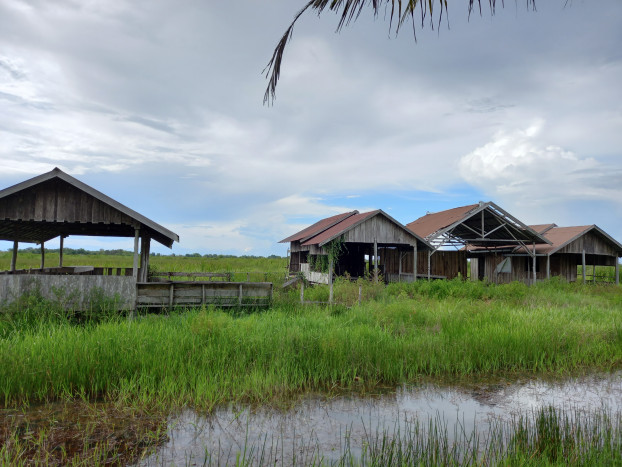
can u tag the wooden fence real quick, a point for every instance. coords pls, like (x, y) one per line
(194, 293)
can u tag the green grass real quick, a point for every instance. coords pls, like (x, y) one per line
(207, 357)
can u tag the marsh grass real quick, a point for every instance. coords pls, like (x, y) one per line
(548, 436)
(79, 433)
(207, 357)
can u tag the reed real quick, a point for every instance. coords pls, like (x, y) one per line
(208, 357)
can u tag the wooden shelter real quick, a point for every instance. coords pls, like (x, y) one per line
(56, 204)
(568, 248)
(340, 244)
(484, 225)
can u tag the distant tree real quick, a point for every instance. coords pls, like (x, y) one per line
(349, 10)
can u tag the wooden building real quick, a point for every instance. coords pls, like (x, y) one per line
(56, 204)
(341, 244)
(484, 225)
(569, 247)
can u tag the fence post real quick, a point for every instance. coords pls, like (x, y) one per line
(248, 277)
(302, 291)
(240, 298)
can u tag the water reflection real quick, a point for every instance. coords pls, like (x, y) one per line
(317, 426)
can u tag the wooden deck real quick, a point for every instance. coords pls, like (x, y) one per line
(194, 293)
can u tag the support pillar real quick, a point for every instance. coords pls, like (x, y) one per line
(415, 262)
(594, 271)
(135, 267)
(145, 247)
(330, 280)
(14, 256)
(548, 266)
(583, 264)
(375, 261)
(617, 272)
(42, 255)
(429, 264)
(534, 262)
(60, 251)
(399, 271)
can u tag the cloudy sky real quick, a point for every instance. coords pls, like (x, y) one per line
(158, 104)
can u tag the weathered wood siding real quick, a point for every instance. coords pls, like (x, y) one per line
(74, 292)
(379, 229)
(449, 264)
(593, 244)
(223, 294)
(58, 201)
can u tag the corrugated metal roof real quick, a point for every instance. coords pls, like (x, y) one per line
(318, 227)
(340, 228)
(433, 222)
(559, 237)
(541, 228)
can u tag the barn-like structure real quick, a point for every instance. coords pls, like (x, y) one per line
(357, 244)
(569, 247)
(484, 225)
(56, 204)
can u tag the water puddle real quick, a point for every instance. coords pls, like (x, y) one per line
(318, 426)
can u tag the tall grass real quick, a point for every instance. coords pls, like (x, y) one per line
(208, 357)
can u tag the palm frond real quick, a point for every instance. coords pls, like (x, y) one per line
(350, 10)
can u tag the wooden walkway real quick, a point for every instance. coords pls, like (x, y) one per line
(194, 293)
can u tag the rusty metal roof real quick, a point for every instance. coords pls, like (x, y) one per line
(558, 237)
(330, 228)
(339, 228)
(319, 227)
(484, 224)
(433, 222)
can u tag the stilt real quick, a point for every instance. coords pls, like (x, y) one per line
(42, 255)
(583, 264)
(135, 269)
(14, 256)
(60, 251)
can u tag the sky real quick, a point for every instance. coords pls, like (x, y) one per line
(159, 105)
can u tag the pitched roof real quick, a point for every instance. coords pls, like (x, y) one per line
(562, 236)
(330, 228)
(318, 227)
(484, 223)
(47, 229)
(433, 222)
(559, 237)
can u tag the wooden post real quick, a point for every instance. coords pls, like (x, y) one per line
(14, 256)
(330, 280)
(375, 260)
(145, 247)
(42, 255)
(534, 262)
(429, 264)
(399, 269)
(240, 296)
(248, 277)
(617, 272)
(360, 293)
(583, 264)
(415, 262)
(302, 292)
(594, 271)
(60, 251)
(548, 266)
(135, 267)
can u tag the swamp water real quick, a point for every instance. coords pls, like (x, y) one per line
(330, 429)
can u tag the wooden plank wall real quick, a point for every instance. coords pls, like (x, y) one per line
(446, 263)
(58, 201)
(222, 294)
(592, 243)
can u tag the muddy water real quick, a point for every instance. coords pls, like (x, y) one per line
(316, 426)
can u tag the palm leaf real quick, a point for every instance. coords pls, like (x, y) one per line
(350, 10)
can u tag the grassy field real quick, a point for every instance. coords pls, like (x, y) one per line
(207, 357)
